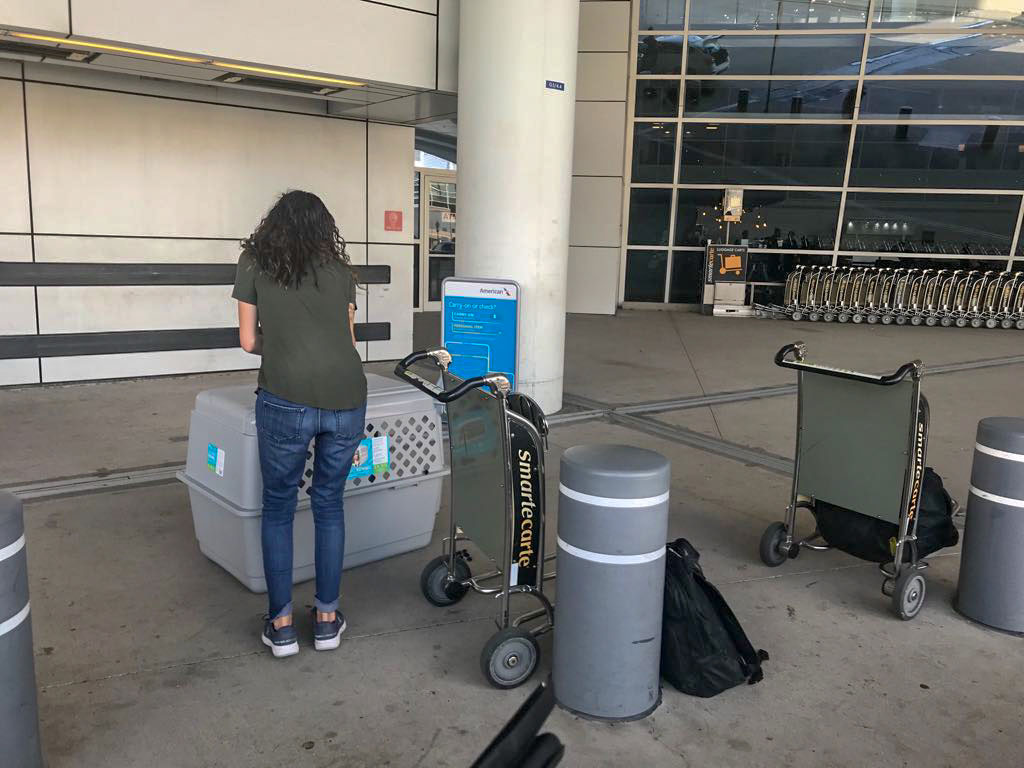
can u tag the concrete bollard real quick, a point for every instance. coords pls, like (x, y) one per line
(991, 583)
(19, 714)
(612, 527)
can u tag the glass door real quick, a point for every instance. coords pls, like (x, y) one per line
(437, 240)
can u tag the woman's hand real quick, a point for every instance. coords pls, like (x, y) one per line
(249, 336)
(352, 323)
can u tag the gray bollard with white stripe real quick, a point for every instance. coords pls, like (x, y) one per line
(612, 527)
(991, 584)
(19, 717)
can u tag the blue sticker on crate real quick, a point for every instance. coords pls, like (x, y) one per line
(215, 459)
(373, 457)
(554, 85)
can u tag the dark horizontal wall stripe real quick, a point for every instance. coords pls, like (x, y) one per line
(88, 274)
(49, 274)
(122, 342)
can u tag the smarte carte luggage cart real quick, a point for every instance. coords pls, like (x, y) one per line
(861, 444)
(497, 439)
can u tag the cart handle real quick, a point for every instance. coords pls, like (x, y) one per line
(499, 385)
(792, 356)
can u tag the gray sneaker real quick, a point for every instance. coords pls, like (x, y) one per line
(327, 634)
(282, 642)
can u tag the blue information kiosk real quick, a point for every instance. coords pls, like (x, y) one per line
(480, 326)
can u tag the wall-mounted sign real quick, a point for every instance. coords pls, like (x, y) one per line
(726, 264)
(448, 217)
(480, 326)
(392, 221)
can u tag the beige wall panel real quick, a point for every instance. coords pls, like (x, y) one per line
(601, 77)
(392, 303)
(390, 180)
(14, 215)
(448, 46)
(593, 280)
(596, 212)
(134, 250)
(17, 310)
(49, 15)
(77, 309)
(357, 255)
(89, 367)
(604, 26)
(348, 38)
(108, 163)
(21, 371)
(15, 248)
(600, 142)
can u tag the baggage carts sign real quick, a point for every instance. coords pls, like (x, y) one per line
(726, 264)
(527, 496)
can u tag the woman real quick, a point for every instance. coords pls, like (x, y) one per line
(296, 297)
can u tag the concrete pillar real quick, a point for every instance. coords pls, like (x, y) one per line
(517, 92)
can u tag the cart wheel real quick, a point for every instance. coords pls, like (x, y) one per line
(1006, 324)
(946, 322)
(908, 594)
(858, 319)
(771, 545)
(901, 320)
(931, 322)
(975, 322)
(916, 320)
(509, 657)
(1019, 325)
(872, 319)
(888, 586)
(887, 319)
(991, 323)
(797, 315)
(814, 317)
(829, 317)
(843, 318)
(961, 322)
(435, 585)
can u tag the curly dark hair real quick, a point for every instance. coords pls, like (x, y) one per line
(296, 237)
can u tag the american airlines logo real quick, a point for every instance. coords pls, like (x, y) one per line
(497, 292)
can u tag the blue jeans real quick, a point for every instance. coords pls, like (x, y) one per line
(284, 431)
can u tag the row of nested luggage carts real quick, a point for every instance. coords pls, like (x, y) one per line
(898, 295)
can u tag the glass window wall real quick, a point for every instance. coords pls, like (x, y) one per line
(851, 144)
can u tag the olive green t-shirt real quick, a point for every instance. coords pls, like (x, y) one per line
(308, 355)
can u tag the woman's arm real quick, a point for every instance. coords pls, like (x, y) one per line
(352, 322)
(249, 336)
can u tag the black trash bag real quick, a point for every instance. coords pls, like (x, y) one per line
(875, 540)
(704, 650)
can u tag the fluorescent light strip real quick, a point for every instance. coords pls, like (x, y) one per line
(188, 59)
(104, 47)
(283, 73)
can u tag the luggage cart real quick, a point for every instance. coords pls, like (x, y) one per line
(944, 303)
(990, 307)
(1008, 295)
(975, 301)
(497, 439)
(859, 292)
(961, 297)
(861, 444)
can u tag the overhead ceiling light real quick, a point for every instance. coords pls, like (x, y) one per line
(233, 79)
(283, 73)
(105, 47)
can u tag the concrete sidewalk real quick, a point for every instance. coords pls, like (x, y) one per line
(148, 654)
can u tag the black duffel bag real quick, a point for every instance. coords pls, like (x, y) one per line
(704, 650)
(875, 540)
